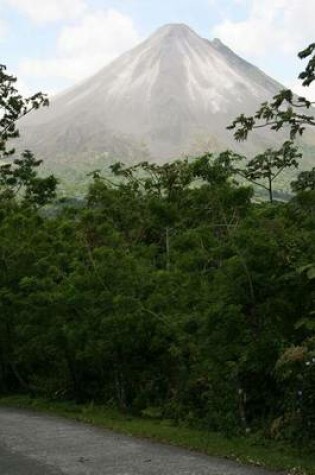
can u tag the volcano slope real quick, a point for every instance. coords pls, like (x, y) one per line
(172, 95)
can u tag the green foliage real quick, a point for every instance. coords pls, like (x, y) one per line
(308, 74)
(20, 180)
(284, 110)
(13, 106)
(168, 291)
(20, 176)
(305, 181)
(266, 167)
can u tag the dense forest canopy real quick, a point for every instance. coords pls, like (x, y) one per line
(168, 287)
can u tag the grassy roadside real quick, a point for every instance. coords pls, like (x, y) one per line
(249, 450)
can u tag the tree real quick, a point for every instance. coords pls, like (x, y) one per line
(281, 111)
(13, 106)
(21, 192)
(265, 168)
(19, 177)
(308, 75)
(305, 181)
(20, 180)
(284, 109)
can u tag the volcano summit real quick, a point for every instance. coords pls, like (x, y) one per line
(174, 94)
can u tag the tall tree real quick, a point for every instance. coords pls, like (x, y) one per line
(19, 177)
(13, 106)
(266, 167)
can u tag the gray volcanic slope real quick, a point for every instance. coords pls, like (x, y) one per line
(173, 94)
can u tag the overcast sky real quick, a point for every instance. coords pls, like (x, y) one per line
(52, 44)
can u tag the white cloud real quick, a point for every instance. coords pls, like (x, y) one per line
(83, 48)
(271, 34)
(45, 11)
(108, 32)
(271, 25)
(25, 89)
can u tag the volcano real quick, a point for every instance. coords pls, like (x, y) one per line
(172, 95)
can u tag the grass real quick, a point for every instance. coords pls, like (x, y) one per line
(250, 450)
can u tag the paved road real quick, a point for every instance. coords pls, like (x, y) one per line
(36, 444)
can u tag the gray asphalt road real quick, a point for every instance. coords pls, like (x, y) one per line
(36, 444)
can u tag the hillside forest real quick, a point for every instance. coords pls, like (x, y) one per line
(167, 289)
